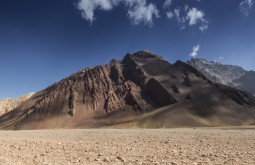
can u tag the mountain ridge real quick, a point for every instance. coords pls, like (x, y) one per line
(142, 90)
(231, 75)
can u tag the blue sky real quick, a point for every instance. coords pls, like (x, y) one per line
(43, 41)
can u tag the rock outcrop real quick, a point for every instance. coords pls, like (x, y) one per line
(8, 104)
(142, 90)
(231, 75)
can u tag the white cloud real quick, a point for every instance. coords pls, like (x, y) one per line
(245, 6)
(178, 14)
(194, 16)
(167, 3)
(186, 8)
(195, 51)
(189, 16)
(143, 12)
(169, 15)
(88, 7)
(204, 25)
(137, 10)
(179, 18)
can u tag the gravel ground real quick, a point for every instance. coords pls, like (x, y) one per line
(129, 146)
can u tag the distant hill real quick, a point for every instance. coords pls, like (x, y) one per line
(142, 90)
(234, 76)
(8, 104)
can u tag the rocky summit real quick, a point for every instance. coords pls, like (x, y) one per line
(231, 75)
(142, 90)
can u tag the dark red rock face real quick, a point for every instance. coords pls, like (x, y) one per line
(120, 92)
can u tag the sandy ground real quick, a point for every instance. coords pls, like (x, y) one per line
(129, 146)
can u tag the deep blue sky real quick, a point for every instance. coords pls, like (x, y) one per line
(43, 41)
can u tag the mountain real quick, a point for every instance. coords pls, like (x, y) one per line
(142, 90)
(231, 75)
(8, 104)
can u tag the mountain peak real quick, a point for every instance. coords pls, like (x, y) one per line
(144, 54)
(142, 90)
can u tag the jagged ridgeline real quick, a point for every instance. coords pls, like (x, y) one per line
(142, 90)
(231, 75)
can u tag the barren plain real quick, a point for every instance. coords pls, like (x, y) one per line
(235, 145)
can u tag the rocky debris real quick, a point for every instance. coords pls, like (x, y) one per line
(175, 89)
(8, 104)
(188, 97)
(129, 146)
(186, 81)
(232, 75)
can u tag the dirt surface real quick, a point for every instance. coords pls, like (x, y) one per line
(129, 146)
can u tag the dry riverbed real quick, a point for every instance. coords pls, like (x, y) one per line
(129, 146)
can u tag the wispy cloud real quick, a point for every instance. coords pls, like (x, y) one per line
(138, 11)
(195, 50)
(169, 15)
(88, 7)
(189, 16)
(167, 3)
(194, 16)
(245, 6)
(204, 25)
(143, 12)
